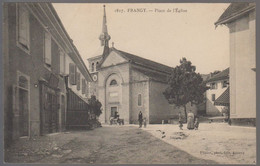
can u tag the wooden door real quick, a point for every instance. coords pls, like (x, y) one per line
(23, 113)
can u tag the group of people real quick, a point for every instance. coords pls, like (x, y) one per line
(116, 120)
(141, 120)
(192, 121)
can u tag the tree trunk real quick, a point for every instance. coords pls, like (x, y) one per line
(185, 111)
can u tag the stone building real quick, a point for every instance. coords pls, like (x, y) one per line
(42, 69)
(127, 84)
(240, 19)
(218, 85)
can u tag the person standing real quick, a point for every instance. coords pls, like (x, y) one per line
(180, 121)
(196, 123)
(140, 119)
(144, 122)
(190, 123)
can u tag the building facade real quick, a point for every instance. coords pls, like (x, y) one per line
(127, 84)
(41, 64)
(218, 84)
(240, 19)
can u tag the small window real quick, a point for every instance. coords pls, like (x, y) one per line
(213, 97)
(92, 67)
(113, 83)
(139, 100)
(224, 84)
(97, 65)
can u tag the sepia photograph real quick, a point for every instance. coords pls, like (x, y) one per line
(129, 83)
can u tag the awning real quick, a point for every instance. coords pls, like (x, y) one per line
(223, 99)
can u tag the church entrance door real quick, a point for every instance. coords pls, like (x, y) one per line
(113, 111)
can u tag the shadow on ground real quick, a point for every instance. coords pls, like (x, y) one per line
(110, 145)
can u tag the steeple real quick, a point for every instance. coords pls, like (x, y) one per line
(104, 36)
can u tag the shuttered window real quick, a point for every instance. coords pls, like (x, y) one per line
(47, 48)
(23, 27)
(72, 74)
(78, 80)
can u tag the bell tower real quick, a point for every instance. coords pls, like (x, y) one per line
(102, 52)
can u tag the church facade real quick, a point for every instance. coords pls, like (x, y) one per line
(127, 84)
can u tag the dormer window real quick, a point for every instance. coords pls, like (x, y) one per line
(113, 83)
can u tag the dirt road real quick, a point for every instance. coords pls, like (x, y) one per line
(215, 141)
(109, 144)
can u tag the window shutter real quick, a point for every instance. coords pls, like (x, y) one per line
(62, 62)
(47, 48)
(72, 74)
(78, 81)
(23, 26)
(83, 86)
(87, 86)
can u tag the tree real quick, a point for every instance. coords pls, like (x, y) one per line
(185, 85)
(95, 106)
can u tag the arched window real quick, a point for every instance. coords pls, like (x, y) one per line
(113, 83)
(23, 82)
(139, 100)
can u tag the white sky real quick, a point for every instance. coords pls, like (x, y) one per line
(161, 37)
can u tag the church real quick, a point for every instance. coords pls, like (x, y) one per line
(127, 84)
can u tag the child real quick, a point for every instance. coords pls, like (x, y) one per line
(196, 123)
(144, 122)
(180, 121)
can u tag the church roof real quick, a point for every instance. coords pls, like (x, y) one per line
(235, 10)
(144, 62)
(153, 75)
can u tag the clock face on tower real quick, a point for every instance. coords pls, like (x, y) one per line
(95, 77)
